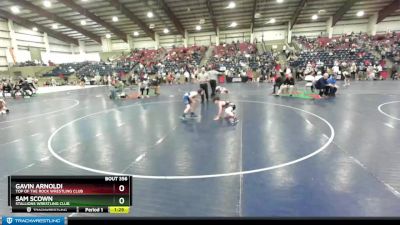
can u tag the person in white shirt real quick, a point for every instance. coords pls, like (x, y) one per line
(186, 75)
(29, 79)
(213, 76)
(203, 79)
(3, 107)
(227, 108)
(335, 69)
(379, 69)
(178, 77)
(371, 72)
(346, 75)
(109, 80)
(353, 70)
(144, 85)
(310, 81)
(288, 70)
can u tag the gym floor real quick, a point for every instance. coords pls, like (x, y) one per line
(286, 157)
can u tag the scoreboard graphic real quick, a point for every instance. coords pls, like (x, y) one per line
(70, 194)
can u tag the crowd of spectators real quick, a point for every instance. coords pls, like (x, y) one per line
(350, 51)
(24, 86)
(66, 69)
(30, 63)
(242, 60)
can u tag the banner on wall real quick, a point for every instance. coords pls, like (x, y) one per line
(12, 53)
(35, 54)
(273, 35)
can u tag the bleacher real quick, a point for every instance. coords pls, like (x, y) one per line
(180, 57)
(234, 55)
(66, 69)
(329, 57)
(29, 63)
(105, 69)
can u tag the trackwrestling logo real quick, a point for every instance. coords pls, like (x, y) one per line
(33, 220)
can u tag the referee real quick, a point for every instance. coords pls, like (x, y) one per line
(203, 79)
(213, 74)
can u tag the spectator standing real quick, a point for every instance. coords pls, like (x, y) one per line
(187, 76)
(353, 70)
(277, 82)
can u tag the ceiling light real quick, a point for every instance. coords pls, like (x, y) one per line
(231, 5)
(279, 1)
(272, 20)
(257, 15)
(135, 33)
(360, 13)
(202, 21)
(314, 17)
(15, 9)
(47, 3)
(108, 36)
(83, 22)
(115, 19)
(150, 14)
(166, 31)
(321, 11)
(233, 24)
(35, 29)
(152, 26)
(198, 27)
(54, 26)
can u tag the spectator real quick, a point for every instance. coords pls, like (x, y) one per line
(288, 85)
(186, 74)
(277, 82)
(170, 78)
(353, 70)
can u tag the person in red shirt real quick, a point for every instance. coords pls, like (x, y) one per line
(170, 78)
(278, 67)
(250, 74)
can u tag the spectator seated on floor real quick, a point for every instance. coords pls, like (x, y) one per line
(287, 86)
(6, 87)
(117, 90)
